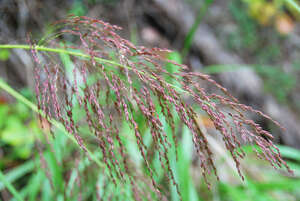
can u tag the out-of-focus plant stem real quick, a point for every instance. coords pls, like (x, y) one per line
(190, 36)
(293, 4)
(10, 187)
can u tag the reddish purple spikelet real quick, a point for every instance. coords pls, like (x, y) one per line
(134, 85)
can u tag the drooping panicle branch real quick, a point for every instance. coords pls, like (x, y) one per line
(136, 83)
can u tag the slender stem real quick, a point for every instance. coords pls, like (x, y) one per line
(59, 50)
(78, 54)
(190, 36)
(55, 123)
(97, 59)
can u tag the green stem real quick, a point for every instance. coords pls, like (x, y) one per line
(55, 123)
(10, 187)
(59, 50)
(190, 36)
(77, 54)
(86, 56)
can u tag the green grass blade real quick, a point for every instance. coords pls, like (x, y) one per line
(18, 172)
(190, 36)
(34, 183)
(289, 152)
(293, 4)
(10, 187)
(215, 69)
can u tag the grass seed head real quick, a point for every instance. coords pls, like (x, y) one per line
(117, 81)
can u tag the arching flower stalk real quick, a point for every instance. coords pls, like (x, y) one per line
(109, 80)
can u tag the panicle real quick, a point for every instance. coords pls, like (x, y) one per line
(133, 85)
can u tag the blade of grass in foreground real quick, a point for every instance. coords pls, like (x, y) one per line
(18, 172)
(10, 187)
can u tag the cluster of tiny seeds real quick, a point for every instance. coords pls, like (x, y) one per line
(134, 84)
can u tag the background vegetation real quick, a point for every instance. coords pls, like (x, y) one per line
(264, 35)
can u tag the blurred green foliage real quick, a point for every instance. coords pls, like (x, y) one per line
(4, 54)
(245, 36)
(78, 8)
(277, 81)
(73, 177)
(265, 184)
(263, 46)
(17, 129)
